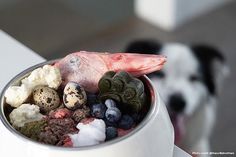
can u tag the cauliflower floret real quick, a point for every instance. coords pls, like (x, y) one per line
(89, 134)
(47, 75)
(24, 114)
(17, 95)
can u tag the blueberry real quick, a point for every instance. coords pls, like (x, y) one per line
(91, 99)
(113, 114)
(110, 103)
(111, 133)
(136, 117)
(108, 123)
(98, 110)
(126, 122)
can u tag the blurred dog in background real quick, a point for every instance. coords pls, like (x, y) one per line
(188, 84)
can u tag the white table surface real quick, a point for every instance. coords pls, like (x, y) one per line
(14, 58)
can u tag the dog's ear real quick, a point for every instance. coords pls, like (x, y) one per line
(148, 46)
(213, 66)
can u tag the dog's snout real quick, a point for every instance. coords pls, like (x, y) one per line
(176, 102)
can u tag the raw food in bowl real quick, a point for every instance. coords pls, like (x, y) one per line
(84, 99)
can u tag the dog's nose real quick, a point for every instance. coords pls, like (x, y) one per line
(176, 102)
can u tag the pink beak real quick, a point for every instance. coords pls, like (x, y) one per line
(136, 64)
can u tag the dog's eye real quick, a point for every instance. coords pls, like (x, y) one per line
(194, 78)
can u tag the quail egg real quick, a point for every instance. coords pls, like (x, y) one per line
(46, 98)
(74, 96)
(80, 114)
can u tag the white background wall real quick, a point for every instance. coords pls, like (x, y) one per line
(169, 14)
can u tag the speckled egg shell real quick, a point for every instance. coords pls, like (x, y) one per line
(46, 98)
(80, 114)
(74, 96)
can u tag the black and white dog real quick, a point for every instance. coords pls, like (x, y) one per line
(188, 84)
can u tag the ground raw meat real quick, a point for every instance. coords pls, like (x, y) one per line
(56, 130)
(60, 113)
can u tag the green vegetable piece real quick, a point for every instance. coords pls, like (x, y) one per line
(33, 129)
(123, 88)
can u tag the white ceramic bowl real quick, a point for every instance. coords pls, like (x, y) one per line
(153, 137)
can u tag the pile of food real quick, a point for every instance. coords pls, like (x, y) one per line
(84, 99)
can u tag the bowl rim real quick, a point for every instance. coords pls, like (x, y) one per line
(154, 109)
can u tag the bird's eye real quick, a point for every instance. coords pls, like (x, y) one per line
(160, 74)
(194, 78)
